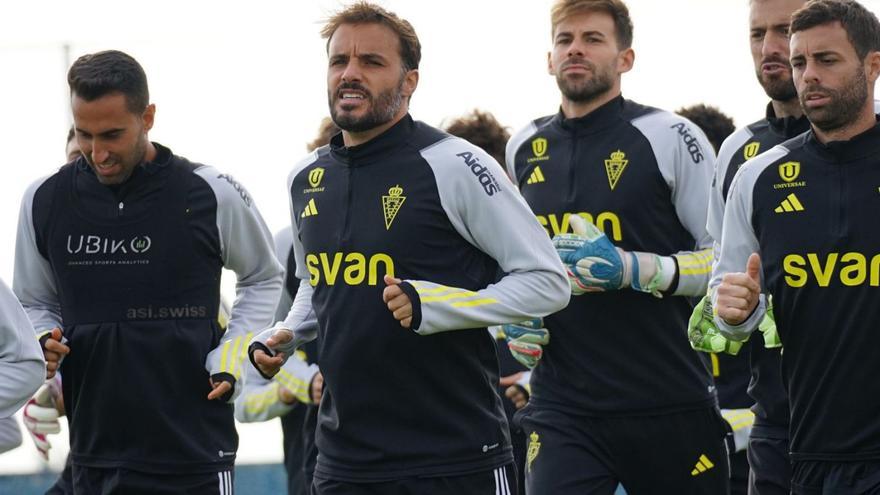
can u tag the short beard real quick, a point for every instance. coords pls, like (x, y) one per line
(585, 90)
(778, 89)
(382, 110)
(845, 107)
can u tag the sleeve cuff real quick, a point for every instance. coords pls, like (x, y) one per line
(742, 331)
(413, 295)
(256, 345)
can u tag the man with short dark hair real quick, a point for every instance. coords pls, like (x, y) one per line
(618, 396)
(118, 261)
(400, 232)
(806, 209)
(758, 369)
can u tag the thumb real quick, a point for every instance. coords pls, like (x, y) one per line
(56, 334)
(753, 267)
(578, 225)
(389, 280)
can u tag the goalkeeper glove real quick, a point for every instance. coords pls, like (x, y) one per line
(768, 327)
(40, 415)
(525, 339)
(704, 335)
(594, 264)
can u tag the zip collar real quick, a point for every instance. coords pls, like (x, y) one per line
(380, 147)
(786, 127)
(595, 121)
(861, 146)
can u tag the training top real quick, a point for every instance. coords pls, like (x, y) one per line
(808, 209)
(764, 380)
(642, 176)
(131, 273)
(22, 368)
(437, 212)
(259, 399)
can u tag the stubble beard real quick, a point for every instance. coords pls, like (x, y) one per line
(383, 108)
(845, 106)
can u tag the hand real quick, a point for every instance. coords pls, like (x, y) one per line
(270, 364)
(40, 416)
(316, 388)
(222, 385)
(525, 339)
(506, 381)
(592, 262)
(702, 333)
(398, 302)
(54, 351)
(739, 293)
(518, 395)
(285, 395)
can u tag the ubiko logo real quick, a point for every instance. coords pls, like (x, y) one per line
(94, 244)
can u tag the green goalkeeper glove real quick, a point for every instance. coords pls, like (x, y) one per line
(768, 327)
(702, 333)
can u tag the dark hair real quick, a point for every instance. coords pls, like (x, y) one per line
(618, 11)
(860, 24)
(99, 74)
(368, 13)
(326, 131)
(714, 123)
(481, 129)
(71, 133)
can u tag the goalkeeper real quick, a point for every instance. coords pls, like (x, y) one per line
(618, 396)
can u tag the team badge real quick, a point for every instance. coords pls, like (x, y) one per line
(391, 204)
(539, 147)
(315, 176)
(534, 448)
(614, 167)
(789, 171)
(751, 150)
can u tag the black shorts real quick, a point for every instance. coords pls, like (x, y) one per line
(499, 481)
(106, 481)
(681, 453)
(739, 473)
(836, 478)
(769, 466)
(64, 484)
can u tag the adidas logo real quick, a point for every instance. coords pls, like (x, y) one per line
(703, 465)
(537, 176)
(310, 209)
(789, 204)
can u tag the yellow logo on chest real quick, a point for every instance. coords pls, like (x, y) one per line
(614, 167)
(391, 204)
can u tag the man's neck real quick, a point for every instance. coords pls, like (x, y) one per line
(358, 138)
(865, 121)
(787, 108)
(150, 154)
(577, 109)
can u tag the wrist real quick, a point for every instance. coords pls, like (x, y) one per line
(285, 396)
